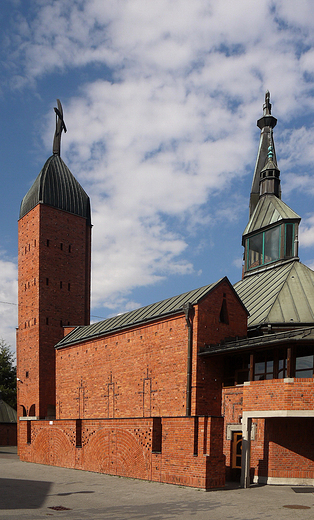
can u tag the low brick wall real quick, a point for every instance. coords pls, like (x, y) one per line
(279, 394)
(184, 450)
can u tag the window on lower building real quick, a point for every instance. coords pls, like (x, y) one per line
(237, 370)
(304, 362)
(263, 365)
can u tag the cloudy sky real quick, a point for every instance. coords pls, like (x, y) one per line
(160, 99)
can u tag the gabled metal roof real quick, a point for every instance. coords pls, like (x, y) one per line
(57, 187)
(152, 312)
(282, 294)
(269, 210)
(7, 413)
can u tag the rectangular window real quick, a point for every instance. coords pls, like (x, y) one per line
(263, 366)
(78, 433)
(157, 435)
(289, 240)
(237, 370)
(271, 245)
(48, 242)
(255, 251)
(304, 362)
(47, 281)
(61, 246)
(29, 432)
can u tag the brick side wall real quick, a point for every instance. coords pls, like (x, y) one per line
(143, 372)
(189, 456)
(212, 330)
(137, 373)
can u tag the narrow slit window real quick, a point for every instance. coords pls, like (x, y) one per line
(223, 316)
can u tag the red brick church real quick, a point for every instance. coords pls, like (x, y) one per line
(213, 384)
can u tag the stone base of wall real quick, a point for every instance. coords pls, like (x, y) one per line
(183, 450)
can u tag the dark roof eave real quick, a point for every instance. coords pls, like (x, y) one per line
(292, 336)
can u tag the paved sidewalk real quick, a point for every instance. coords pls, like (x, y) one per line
(33, 491)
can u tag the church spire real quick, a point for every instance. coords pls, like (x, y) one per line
(266, 123)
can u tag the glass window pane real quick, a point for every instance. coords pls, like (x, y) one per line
(289, 241)
(272, 245)
(259, 367)
(255, 250)
(269, 366)
(304, 373)
(304, 362)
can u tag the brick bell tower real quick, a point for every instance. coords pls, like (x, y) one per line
(54, 265)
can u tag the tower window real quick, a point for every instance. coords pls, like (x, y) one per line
(47, 321)
(60, 285)
(35, 242)
(48, 242)
(61, 323)
(270, 245)
(26, 373)
(69, 286)
(47, 281)
(70, 248)
(289, 234)
(61, 246)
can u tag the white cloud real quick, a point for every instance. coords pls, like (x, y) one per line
(176, 126)
(8, 300)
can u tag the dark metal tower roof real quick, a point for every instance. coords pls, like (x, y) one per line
(57, 187)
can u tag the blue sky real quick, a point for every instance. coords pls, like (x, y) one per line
(160, 100)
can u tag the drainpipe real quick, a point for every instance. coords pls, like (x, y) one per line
(187, 309)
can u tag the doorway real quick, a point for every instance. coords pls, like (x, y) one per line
(236, 455)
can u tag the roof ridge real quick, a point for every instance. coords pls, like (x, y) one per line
(154, 311)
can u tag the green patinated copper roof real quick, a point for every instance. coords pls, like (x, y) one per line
(152, 312)
(57, 187)
(7, 413)
(269, 210)
(283, 294)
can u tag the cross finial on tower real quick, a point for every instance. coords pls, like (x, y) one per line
(267, 104)
(60, 125)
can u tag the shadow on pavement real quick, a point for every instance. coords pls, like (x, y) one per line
(23, 494)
